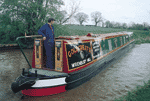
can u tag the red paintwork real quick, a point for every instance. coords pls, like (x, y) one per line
(85, 40)
(65, 66)
(89, 34)
(44, 91)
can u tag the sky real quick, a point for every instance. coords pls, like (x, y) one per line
(137, 11)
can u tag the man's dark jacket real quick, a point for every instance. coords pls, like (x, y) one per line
(49, 44)
(46, 31)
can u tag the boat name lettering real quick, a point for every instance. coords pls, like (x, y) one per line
(82, 47)
(78, 63)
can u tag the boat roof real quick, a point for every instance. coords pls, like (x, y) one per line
(91, 36)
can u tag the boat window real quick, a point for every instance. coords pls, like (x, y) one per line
(124, 40)
(102, 46)
(58, 45)
(110, 45)
(121, 41)
(131, 37)
(118, 41)
(115, 42)
(104, 50)
(37, 43)
(127, 38)
(106, 46)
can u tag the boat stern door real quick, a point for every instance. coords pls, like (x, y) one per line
(38, 53)
(59, 55)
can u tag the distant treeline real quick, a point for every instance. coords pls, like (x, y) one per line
(133, 27)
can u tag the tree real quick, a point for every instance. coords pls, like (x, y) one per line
(117, 25)
(34, 13)
(132, 25)
(112, 24)
(107, 24)
(26, 15)
(81, 17)
(145, 25)
(61, 16)
(124, 25)
(96, 17)
(73, 9)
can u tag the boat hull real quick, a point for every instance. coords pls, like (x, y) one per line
(77, 78)
(44, 91)
(41, 83)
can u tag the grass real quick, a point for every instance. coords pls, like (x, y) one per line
(82, 30)
(140, 36)
(141, 93)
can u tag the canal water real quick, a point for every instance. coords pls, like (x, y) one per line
(117, 79)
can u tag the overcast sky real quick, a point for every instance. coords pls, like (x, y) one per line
(128, 11)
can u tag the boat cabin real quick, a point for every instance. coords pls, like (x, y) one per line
(73, 53)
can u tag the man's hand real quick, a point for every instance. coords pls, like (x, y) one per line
(44, 38)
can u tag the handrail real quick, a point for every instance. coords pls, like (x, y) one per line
(32, 36)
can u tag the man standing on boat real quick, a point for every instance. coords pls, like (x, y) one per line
(47, 31)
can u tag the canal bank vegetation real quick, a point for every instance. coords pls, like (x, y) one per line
(140, 36)
(141, 93)
(29, 16)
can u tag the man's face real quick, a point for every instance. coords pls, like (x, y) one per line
(52, 22)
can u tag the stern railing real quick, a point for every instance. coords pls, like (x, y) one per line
(18, 39)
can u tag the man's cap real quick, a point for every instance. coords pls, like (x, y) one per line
(51, 19)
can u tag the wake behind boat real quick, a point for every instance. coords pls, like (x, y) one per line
(77, 59)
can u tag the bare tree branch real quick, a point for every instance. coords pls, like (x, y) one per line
(81, 17)
(74, 9)
(96, 17)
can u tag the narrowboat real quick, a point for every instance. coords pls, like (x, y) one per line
(77, 59)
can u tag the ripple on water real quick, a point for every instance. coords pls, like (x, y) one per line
(127, 72)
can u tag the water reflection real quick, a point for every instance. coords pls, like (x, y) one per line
(113, 82)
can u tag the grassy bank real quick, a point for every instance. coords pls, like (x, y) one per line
(141, 93)
(140, 36)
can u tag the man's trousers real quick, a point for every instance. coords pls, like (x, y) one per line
(50, 53)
